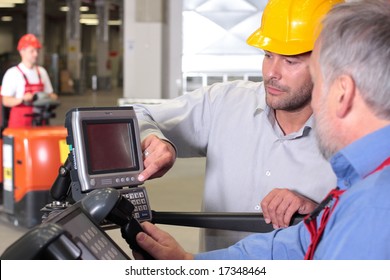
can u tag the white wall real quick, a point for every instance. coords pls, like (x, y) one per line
(152, 48)
(172, 50)
(142, 51)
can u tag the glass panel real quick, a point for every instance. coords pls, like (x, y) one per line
(234, 78)
(214, 79)
(255, 78)
(193, 83)
(215, 30)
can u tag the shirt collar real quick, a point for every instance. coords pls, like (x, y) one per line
(359, 159)
(262, 104)
(25, 69)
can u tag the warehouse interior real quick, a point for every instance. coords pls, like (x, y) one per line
(227, 97)
(106, 52)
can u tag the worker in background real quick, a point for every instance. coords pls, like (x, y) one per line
(351, 102)
(258, 138)
(22, 82)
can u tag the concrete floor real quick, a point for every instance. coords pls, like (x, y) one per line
(179, 190)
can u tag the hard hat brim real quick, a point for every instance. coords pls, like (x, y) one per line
(258, 40)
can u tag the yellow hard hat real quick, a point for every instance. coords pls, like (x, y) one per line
(290, 27)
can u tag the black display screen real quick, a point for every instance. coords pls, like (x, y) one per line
(109, 146)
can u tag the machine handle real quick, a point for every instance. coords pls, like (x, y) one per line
(251, 222)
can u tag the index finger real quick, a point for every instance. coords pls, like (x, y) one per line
(145, 174)
(264, 206)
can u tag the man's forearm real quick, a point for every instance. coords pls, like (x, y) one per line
(9, 101)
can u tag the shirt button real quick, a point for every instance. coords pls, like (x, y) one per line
(346, 183)
(257, 208)
(268, 173)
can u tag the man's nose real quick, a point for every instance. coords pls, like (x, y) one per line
(273, 69)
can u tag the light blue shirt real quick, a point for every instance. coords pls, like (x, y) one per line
(359, 227)
(247, 153)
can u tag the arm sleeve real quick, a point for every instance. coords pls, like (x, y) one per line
(282, 244)
(184, 121)
(363, 237)
(8, 86)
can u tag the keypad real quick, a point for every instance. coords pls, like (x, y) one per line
(99, 245)
(138, 197)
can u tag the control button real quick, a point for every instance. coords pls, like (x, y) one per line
(91, 233)
(97, 246)
(117, 180)
(111, 254)
(87, 235)
(104, 241)
(94, 250)
(84, 238)
(114, 251)
(132, 179)
(122, 180)
(127, 179)
(145, 215)
(101, 243)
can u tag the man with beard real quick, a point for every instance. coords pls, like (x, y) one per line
(351, 103)
(257, 137)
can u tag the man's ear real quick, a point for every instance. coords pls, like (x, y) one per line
(345, 95)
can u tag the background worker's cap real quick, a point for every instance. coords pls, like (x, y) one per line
(291, 27)
(27, 41)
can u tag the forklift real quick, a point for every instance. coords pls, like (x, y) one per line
(29, 163)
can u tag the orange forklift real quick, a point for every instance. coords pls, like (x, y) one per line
(29, 163)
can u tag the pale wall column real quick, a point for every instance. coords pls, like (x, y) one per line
(73, 35)
(121, 40)
(36, 23)
(102, 36)
(143, 25)
(172, 50)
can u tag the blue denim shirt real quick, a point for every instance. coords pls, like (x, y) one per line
(359, 227)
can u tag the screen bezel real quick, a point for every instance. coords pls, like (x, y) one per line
(134, 148)
(83, 181)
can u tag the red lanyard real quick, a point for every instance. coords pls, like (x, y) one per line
(311, 219)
